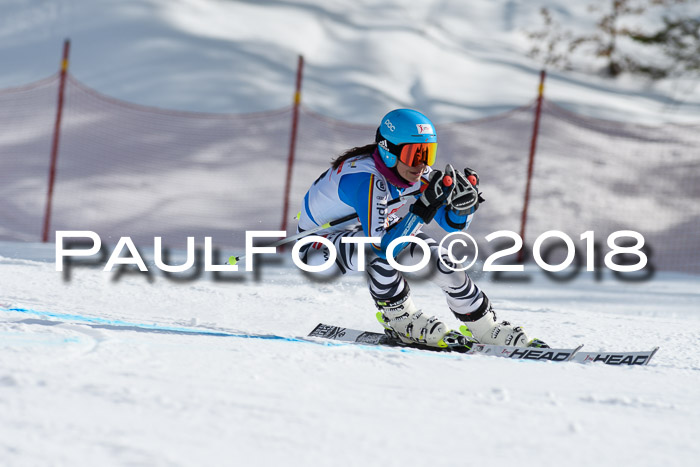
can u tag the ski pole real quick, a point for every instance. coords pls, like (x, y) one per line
(232, 260)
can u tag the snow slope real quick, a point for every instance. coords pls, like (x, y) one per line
(79, 394)
(73, 394)
(453, 60)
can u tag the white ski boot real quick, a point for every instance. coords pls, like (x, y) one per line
(403, 320)
(485, 329)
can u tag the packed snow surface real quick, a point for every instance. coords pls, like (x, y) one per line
(101, 372)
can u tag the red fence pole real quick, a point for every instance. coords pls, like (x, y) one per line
(56, 137)
(292, 142)
(531, 162)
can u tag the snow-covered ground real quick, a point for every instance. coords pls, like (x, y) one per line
(454, 60)
(78, 394)
(96, 372)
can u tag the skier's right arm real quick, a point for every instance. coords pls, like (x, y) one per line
(368, 195)
(424, 209)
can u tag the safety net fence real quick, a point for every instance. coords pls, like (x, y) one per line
(129, 170)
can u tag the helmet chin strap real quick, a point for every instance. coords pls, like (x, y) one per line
(392, 176)
(395, 169)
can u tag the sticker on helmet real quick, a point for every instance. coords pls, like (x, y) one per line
(424, 129)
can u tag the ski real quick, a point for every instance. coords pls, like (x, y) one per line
(341, 336)
(337, 333)
(616, 358)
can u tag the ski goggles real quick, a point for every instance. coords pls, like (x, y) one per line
(411, 154)
(415, 154)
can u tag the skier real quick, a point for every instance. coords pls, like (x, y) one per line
(363, 181)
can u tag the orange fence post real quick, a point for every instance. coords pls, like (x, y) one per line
(531, 162)
(56, 137)
(292, 142)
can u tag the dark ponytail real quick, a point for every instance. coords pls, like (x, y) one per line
(365, 151)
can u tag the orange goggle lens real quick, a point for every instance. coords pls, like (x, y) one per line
(418, 153)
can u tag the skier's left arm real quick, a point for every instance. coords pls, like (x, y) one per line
(465, 199)
(450, 221)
